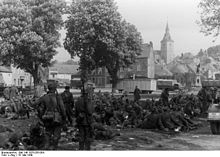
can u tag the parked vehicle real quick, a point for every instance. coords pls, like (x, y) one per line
(211, 83)
(76, 83)
(214, 109)
(168, 83)
(144, 84)
(214, 118)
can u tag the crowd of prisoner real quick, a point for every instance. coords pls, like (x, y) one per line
(93, 114)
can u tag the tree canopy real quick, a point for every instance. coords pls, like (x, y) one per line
(209, 18)
(98, 35)
(29, 33)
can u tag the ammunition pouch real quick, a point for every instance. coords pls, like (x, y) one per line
(52, 117)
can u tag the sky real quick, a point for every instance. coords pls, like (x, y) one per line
(150, 18)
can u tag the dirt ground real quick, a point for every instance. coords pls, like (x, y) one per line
(137, 139)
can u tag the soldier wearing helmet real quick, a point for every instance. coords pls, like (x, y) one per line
(83, 113)
(51, 112)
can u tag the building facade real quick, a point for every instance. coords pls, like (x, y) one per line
(166, 53)
(63, 72)
(21, 78)
(100, 77)
(144, 67)
(5, 76)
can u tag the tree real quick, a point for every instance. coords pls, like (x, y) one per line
(29, 33)
(98, 35)
(209, 19)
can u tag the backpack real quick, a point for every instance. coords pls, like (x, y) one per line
(53, 116)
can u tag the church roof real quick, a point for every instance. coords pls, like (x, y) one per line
(167, 36)
(162, 71)
(181, 68)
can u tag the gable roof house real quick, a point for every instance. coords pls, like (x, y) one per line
(144, 67)
(63, 72)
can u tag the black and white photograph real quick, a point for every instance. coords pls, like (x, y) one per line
(109, 75)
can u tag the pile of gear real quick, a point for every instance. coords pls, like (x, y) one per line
(17, 107)
(176, 115)
(104, 116)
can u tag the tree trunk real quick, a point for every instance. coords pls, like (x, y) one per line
(114, 82)
(35, 76)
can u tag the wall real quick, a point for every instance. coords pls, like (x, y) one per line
(151, 64)
(167, 48)
(53, 74)
(64, 76)
(7, 77)
(21, 78)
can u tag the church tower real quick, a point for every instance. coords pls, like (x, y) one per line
(167, 47)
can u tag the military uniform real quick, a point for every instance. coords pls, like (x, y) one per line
(68, 103)
(165, 97)
(52, 113)
(153, 121)
(137, 93)
(83, 113)
(204, 97)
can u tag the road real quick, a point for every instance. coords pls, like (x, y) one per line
(137, 139)
(200, 139)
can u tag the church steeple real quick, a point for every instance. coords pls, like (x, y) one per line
(167, 36)
(167, 28)
(167, 46)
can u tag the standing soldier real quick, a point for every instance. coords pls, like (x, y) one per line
(137, 93)
(83, 113)
(52, 113)
(68, 103)
(165, 97)
(204, 98)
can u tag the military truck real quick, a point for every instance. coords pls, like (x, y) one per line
(214, 109)
(144, 84)
(167, 83)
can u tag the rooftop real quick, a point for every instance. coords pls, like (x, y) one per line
(5, 69)
(146, 49)
(64, 68)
